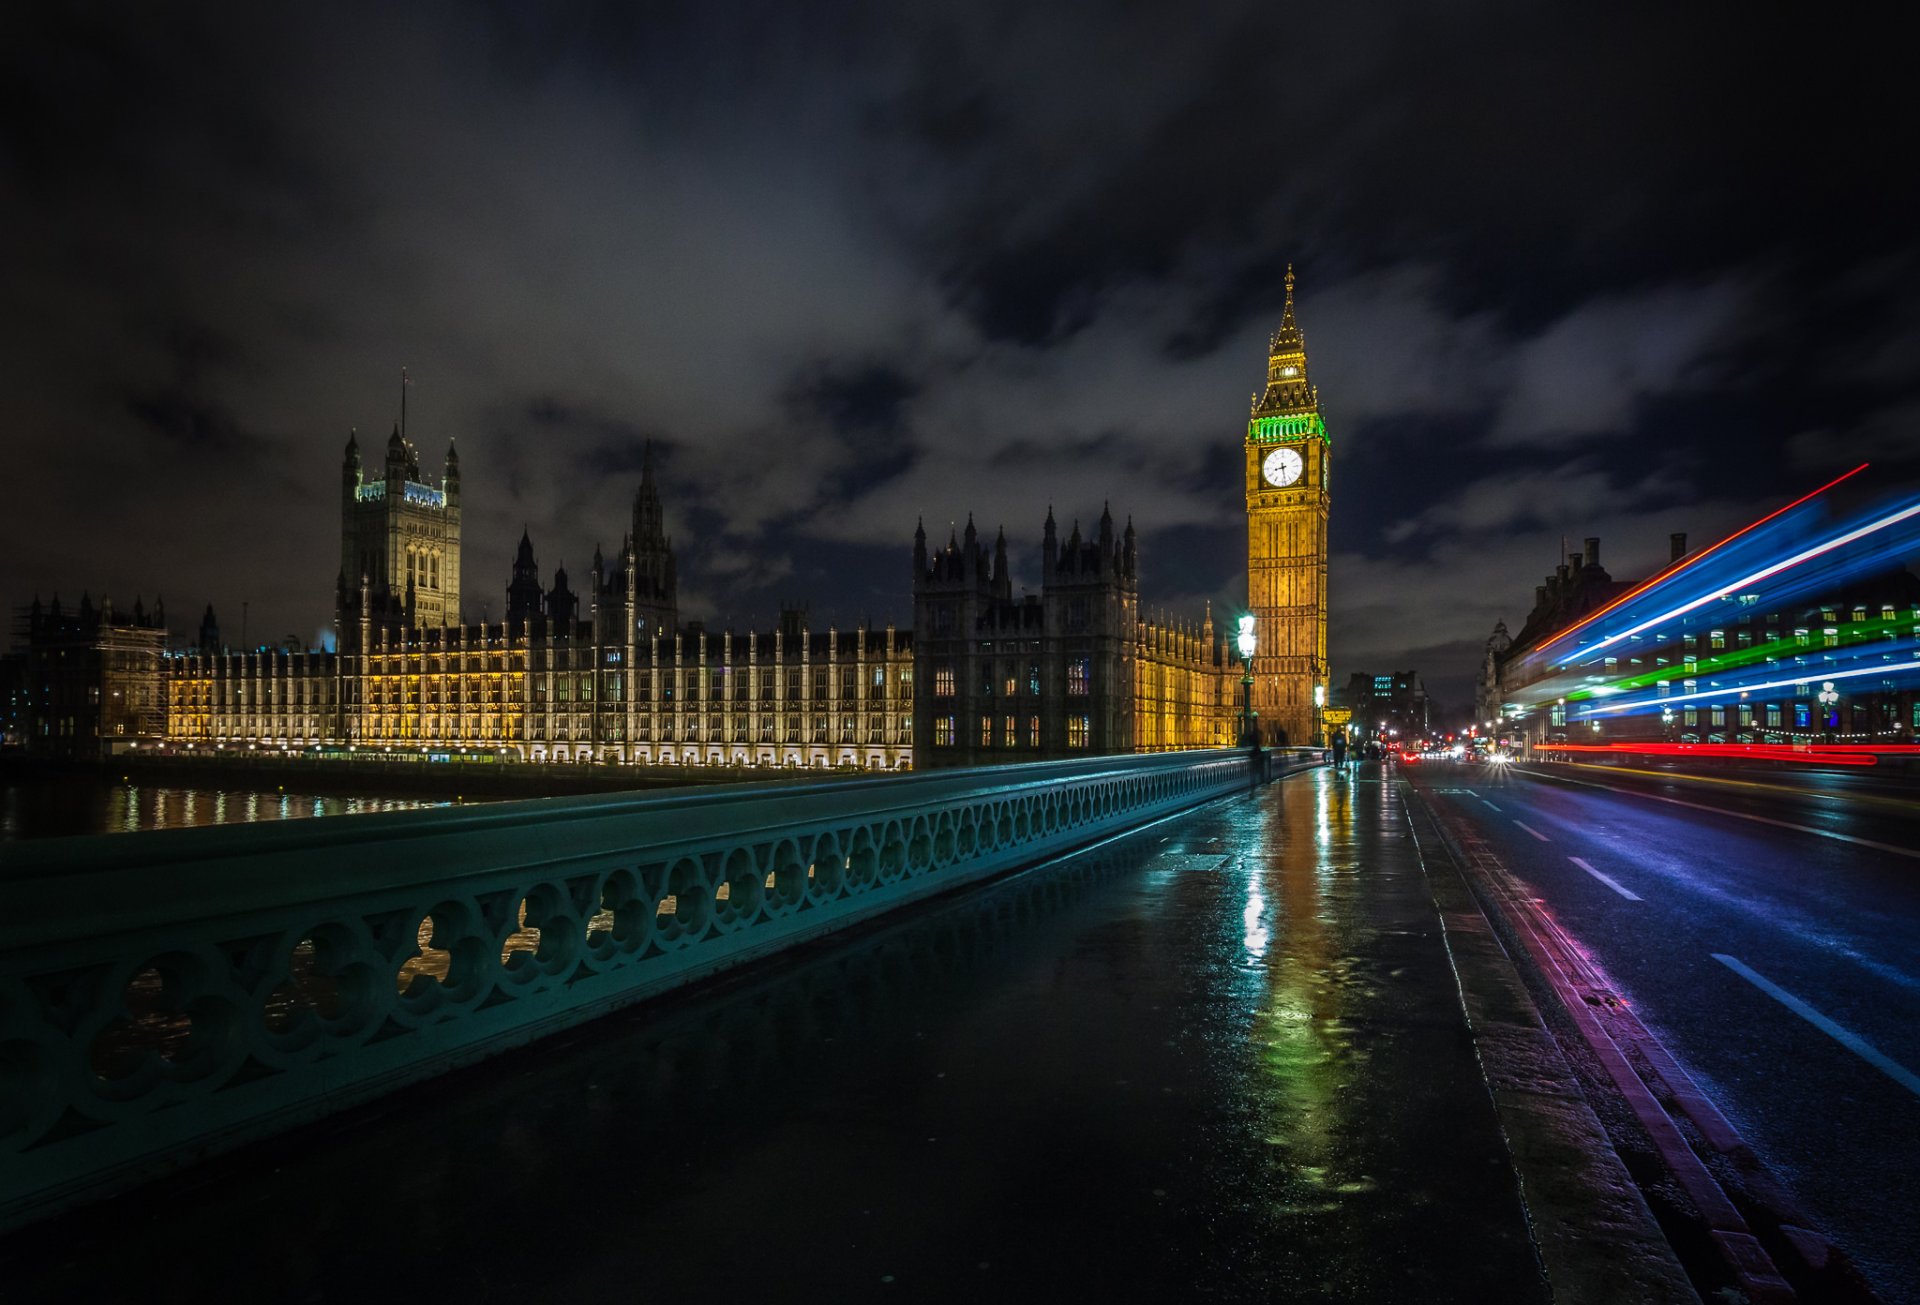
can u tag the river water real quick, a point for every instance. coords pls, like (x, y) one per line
(57, 808)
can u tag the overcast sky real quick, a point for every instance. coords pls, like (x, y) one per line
(1563, 270)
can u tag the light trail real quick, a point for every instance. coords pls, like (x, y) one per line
(1675, 568)
(1738, 751)
(1881, 669)
(1765, 573)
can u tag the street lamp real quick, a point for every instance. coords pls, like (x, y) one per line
(1245, 641)
(1829, 699)
(1319, 705)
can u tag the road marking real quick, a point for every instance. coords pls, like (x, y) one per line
(1852, 1041)
(1490, 804)
(1608, 880)
(1736, 815)
(1531, 830)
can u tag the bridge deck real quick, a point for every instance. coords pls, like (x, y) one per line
(1222, 1058)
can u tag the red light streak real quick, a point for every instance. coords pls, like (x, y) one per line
(1675, 568)
(1837, 754)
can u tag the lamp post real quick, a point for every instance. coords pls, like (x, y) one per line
(1829, 700)
(1245, 641)
(1319, 705)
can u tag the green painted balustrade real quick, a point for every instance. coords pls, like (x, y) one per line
(167, 995)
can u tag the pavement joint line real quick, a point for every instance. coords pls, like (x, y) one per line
(1531, 830)
(1846, 1037)
(1607, 879)
(1573, 976)
(1737, 815)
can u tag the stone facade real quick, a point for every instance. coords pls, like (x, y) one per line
(1069, 671)
(622, 681)
(1287, 472)
(88, 680)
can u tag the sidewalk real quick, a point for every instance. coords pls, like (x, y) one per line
(1224, 1058)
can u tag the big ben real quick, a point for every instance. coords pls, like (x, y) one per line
(1287, 497)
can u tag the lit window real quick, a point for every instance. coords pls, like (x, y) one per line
(1077, 731)
(943, 681)
(986, 731)
(1079, 676)
(1718, 639)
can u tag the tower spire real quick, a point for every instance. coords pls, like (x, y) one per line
(404, 383)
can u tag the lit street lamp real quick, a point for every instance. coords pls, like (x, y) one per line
(1319, 705)
(1244, 640)
(1829, 702)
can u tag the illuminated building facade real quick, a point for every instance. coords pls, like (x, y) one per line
(87, 682)
(1287, 489)
(399, 538)
(1070, 671)
(622, 681)
(1792, 645)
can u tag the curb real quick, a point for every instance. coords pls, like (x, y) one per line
(1597, 1239)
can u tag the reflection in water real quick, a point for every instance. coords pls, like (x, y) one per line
(88, 806)
(1299, 1022)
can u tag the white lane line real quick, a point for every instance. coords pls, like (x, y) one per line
(1531, 830)
(1737, 815)
(1608, 880)
(1490, 804)
(1852, 1041)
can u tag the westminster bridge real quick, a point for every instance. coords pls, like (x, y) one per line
(1131, 1027)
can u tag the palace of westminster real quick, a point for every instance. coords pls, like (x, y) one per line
(610, 673)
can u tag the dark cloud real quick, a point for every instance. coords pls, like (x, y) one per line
(1589, 272)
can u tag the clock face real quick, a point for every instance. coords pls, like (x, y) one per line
(1282, 467)
(1289, 371)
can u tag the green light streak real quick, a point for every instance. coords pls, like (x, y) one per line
(1287, 429)
(1849, 634)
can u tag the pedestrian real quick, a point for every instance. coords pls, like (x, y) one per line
(1340, 752)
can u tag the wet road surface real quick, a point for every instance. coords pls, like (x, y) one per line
(1770, 936)
(1221, 1059)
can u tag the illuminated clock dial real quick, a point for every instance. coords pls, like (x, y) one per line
(1282, 467)
(1289, 371)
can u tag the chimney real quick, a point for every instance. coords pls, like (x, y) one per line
(1677, 545)
(1593, 550)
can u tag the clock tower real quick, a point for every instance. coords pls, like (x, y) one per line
(1286, 476)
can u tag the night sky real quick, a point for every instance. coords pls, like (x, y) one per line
(1563, 270)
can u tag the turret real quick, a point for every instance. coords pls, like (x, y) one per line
(1049, 547)
(919, 550)
(453, 474)
(524, 599)
(1130, 555)
(562, 606)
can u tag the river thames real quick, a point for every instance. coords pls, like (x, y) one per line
(75, 804)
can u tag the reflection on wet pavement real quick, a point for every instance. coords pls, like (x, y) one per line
(1219, 1059)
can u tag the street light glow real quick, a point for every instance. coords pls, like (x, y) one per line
(1245, 638)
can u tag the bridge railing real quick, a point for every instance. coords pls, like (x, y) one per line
(171, 994)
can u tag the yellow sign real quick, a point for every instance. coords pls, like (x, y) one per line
(1337, 715)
